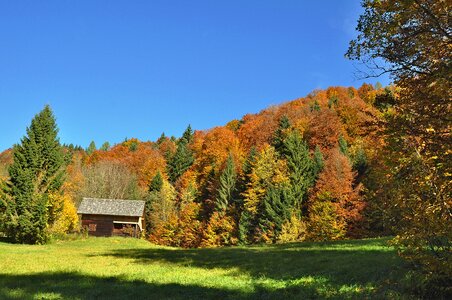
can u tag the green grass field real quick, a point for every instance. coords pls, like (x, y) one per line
(120, 268)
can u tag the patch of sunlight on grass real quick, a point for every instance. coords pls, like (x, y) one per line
(47, 296)
(15, 294)
(111, 266)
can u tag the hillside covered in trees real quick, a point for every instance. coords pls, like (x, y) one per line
(308, 169)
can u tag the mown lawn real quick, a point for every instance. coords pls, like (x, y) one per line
(120, 268)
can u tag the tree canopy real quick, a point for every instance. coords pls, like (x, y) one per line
(36, 172)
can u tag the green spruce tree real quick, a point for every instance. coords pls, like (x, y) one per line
(182, 158)
(343, 146)
(245, 220)
(244, 178)
(187, 136)
(244, 228)
(91, 148)
(252, 156)
(280, 133)
(156, 183)
(277, 208)
(3, 205)
(161, 139)
(332, 101)
(301, 167)
(105, 146)
(227, 188)
(360, 163)
(318, 161)
(133, 146)
(179, 162)
(37, 171)
(155, 186)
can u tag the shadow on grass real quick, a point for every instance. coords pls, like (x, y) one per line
(4, 239)
(347, 263)
(80, 286)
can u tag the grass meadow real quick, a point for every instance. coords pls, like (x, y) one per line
(126, 268)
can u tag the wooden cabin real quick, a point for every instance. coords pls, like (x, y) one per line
(112, 217)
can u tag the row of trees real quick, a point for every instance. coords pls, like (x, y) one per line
(270, 186)
(260, 179)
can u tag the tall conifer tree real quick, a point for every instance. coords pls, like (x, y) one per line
(318, 161)
(301, 166)
(156, 183)
(227, 189)
(37, 171)
(187, 136)
(280, 133)
(183, 158)
(105, 146)
(179, 162)
(277, 208)
(343, 146)
(91, 148)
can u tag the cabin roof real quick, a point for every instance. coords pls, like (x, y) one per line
(112, 207)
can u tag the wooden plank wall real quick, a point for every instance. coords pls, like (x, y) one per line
(101, 225)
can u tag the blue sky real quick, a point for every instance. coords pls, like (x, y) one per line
(117, 69)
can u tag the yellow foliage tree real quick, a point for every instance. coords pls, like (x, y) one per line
(324, 223)
(293, 230)
(162, 204)
(62, 214)
(267, 171)
(220, 231)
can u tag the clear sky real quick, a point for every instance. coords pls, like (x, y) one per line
(117, 69)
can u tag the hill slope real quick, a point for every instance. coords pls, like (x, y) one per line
(305, 169)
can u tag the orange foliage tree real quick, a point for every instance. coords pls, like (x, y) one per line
(336, 206)
(142, 159)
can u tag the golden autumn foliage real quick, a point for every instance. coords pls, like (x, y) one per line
(6, 159)
(166, 147)
(181, 229)
(213, 148)
(63, 216)
(220, 231)
(267, 171)
(163, 204)
(412, 39)
(293, 230)
(187, 187)
(324, 222)
(75, 178)
(153, 162)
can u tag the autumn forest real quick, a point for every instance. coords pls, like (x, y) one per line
(340, 163)
(306, 169)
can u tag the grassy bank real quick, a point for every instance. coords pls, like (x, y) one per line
(119, 268)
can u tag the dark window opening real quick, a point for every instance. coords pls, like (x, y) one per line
(118, 226)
